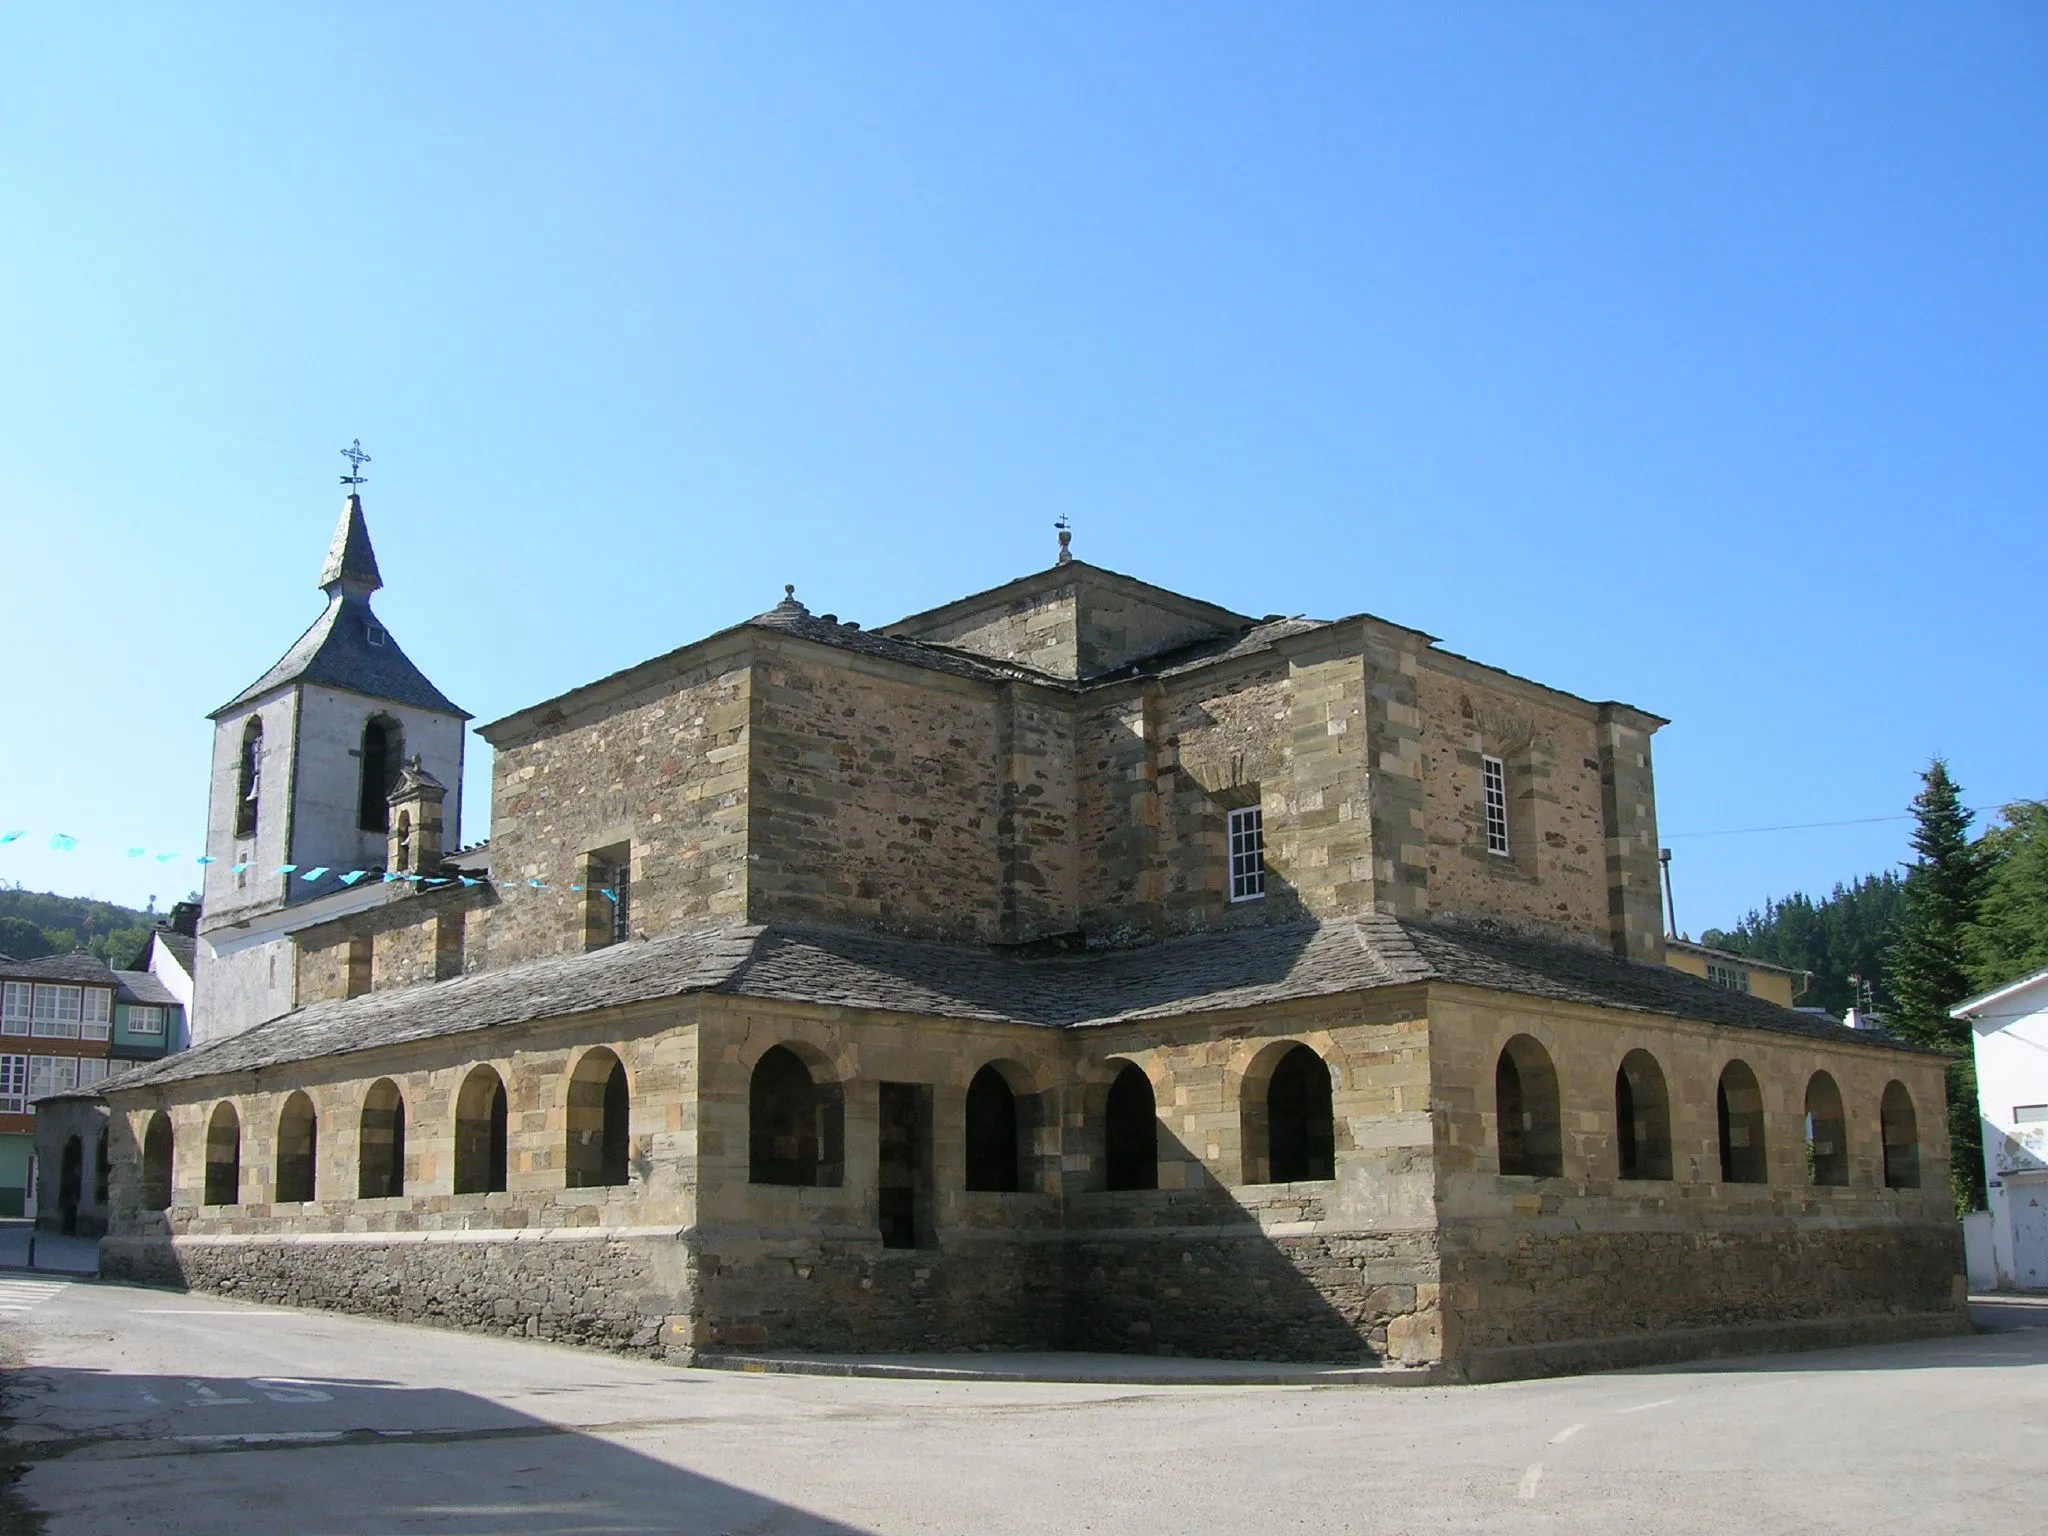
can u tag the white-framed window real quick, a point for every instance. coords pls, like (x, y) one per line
(1493, 777)
(14, 1007)
(1734, 977)
(2029, 1114)
(99, 1013)
(92, 1071)
(1247, 853)
(144, 1019)
(57, 1009)
(51, 1074)
(13, 1085)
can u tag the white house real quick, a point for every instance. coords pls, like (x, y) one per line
(2009, 1027)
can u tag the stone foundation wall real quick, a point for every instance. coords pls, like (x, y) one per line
(857, 1297)
(1557, 1298)
(1249, 1295)
(620, 1289)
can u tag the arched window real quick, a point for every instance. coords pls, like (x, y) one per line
(480, 1139)
(405, 842)
(1739, 1107)
(994, 1147)
(249, 778)
(1827, 1132)
(380, 1143)
(102, 1167)
(382, 751)
(600, 1112)
(156, 1163)
(795, 1125)
(298, 1140)
(1525, 1111)
(224, 1156)
(1901, 1130)
(1642, 1118)
(1130, 1132)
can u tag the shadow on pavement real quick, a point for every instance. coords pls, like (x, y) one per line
(52, 1250)
(97, 1450)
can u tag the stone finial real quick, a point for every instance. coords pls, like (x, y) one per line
(1066, 532)
(413, 841)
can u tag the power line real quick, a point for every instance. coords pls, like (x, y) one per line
(1809, 826)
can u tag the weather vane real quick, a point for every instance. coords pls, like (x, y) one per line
(1066, 532)
(356, 460)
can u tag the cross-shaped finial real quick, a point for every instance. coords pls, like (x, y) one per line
(356, 460)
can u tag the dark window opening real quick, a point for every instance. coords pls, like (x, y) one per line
(1130, 1132)
(608, 896)
(994, 1150)
(70, 1184)
(1827, 1133)
(298, 1141)
(1529, 1127)
(903, 1165)
(1739, 1114)
(600, 1114)
(380, 1145)
(156, 1163)
(1301, 1132)
(383, 752)
(1642, 1118)
(1900, 1127)
(224, 1157)
(481, 1141)
(795, 1127)
(249, 778)
(102, 1169)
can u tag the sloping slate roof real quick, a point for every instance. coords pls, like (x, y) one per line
(790, 617)
(336, 653)
(141, 987)
(73, 967)
(833, 968)
(182, 947)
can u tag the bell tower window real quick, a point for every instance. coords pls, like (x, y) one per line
(249, 778)
(382, 750)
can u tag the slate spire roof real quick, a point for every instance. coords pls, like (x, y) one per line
(348, 647)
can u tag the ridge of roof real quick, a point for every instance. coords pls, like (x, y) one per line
(1057, 575)
(76, 966)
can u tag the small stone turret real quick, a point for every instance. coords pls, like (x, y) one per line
(415, 836)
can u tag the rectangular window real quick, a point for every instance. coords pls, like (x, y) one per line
(1493, 774)
(51, 1074)
(13, 1085)
(145, 1021)
(56, 1011)
(92, 1071)
(608, 896)
(1247, 854)
(1734, 977)
(14, 1008)
(2029, 1114)
(99, 1013)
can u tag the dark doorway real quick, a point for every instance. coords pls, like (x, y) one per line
(903, 1175)
(992, 1146)
(1300, 1129)
(795, 1125)
(481, 1134)
(70, 1184)
(1130, 1133)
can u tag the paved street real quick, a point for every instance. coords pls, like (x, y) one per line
(149, 1411)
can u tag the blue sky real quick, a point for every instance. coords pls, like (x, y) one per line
(1691, 356)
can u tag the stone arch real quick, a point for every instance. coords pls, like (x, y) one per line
(1827, 1133)
(1528, 1128)
(249, 778)
(381, 753)
(1285, 1116)
(404, 840)
(1642, 1118)
(995, 1146)
(298, 1149)
(600, 1139)
(158, 1143)
(380, 1143)
(482, 1141)
(1900, 1127)
(796, 1123)
(1739, 1109)
(224, 1155)
(1130, 1131)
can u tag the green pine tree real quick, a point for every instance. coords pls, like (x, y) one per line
(1927, 970)
(2010, 937)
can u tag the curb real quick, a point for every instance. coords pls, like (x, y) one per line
(1218, 1374)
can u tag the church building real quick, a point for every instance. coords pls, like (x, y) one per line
(1077, 965)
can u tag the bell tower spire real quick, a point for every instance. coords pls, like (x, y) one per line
(351, 568)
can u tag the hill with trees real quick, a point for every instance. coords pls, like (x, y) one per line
(38, 923)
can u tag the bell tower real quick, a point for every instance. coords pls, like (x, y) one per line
(305, 762)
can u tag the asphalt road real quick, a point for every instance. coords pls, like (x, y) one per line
(150, 1411)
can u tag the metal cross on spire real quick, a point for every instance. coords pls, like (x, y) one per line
(356, 460)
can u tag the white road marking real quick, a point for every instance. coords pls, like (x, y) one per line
(21, 1295)
(1662, 1402)
(1566, 1433)
(1526, 1489)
